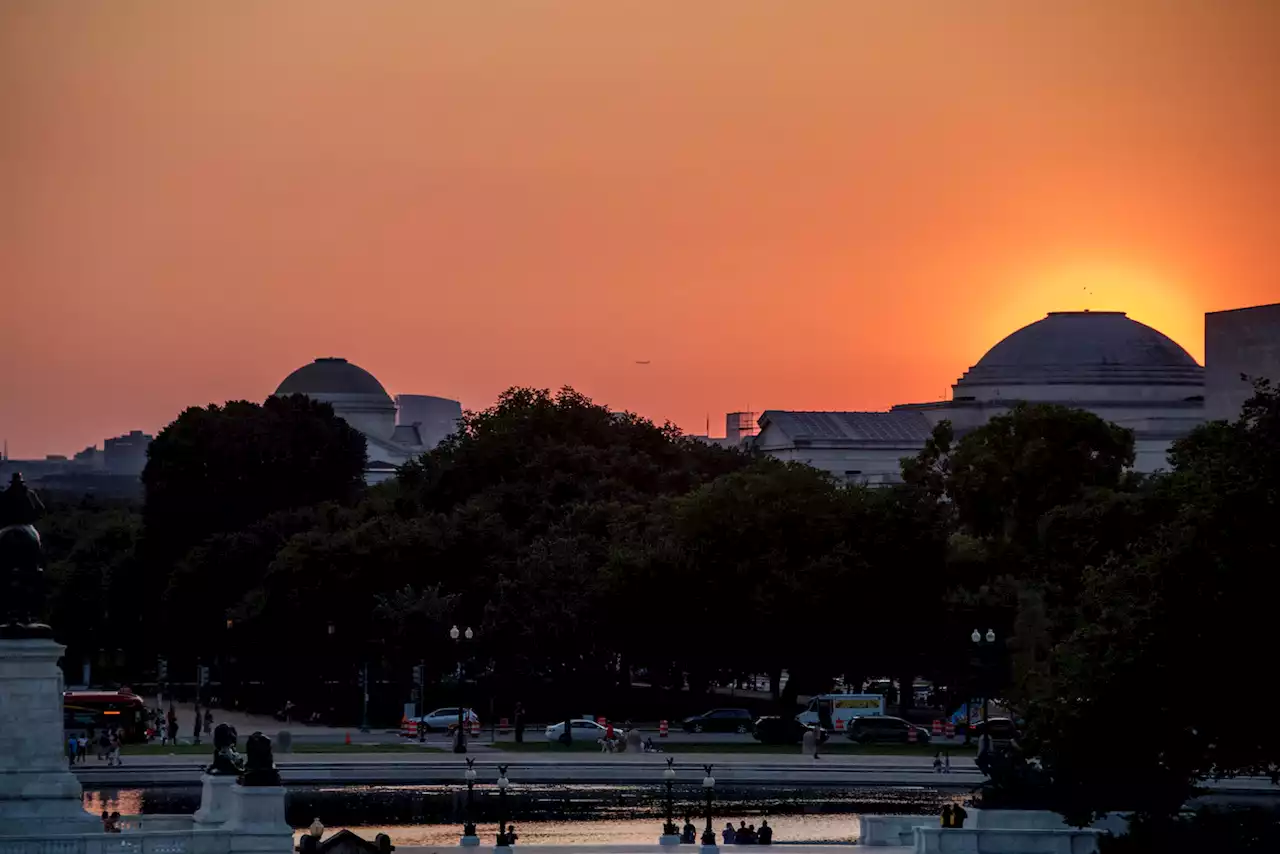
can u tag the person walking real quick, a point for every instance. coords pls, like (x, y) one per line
(72, 748)
(208, 721)
(199, 723)
(82, 747)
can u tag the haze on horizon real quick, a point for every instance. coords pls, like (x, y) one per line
(809, 204)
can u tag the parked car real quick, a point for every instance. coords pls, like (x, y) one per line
(881, 729)
(719, 720)
(775, 729)
(1002, 730)
(442, 719)
(582, 728)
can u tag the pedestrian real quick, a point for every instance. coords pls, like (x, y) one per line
(688, 833)
(519, 715)
(740, 835)
(729, 835)
(114, 818)
(511, 834)
(199, 722)
(937, 762)
(82, 747)
(946, 815)
(208, 721)
(946, 762)
(766, 833)
(113, 756)
(958, 815)
(72, 745)
(104, 744)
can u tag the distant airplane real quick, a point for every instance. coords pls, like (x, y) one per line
(642, 361)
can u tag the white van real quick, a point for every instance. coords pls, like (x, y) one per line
(841, 708)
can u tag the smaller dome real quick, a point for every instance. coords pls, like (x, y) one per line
(331, 376)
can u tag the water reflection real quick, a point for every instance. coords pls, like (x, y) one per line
(553, 814)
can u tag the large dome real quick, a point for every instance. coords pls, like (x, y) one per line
(1087, 348)
(325, 377)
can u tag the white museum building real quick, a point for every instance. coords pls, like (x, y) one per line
(1100, 361)
(395, 431)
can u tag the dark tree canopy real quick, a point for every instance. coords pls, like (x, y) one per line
(221, 468)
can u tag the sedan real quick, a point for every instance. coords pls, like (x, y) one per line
(871, 729)
(719, 720)
(774, 729)
(443, 719)
(582, 729)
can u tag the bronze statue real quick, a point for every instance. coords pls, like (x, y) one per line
(226, 759)
(260, 766)
(21, 562)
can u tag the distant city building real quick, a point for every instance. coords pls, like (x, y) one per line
(738, 426)
(115, 470)
(126, 454)
(393, 434)
(1241, 342)
(1102, 362)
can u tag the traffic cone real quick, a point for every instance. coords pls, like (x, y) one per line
(348, 738)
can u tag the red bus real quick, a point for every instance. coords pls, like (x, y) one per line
(104, 710)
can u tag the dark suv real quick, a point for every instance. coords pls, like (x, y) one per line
(719, 720)
(873, 729)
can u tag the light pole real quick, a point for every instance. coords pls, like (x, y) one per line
(670, 833)
(460, 741)
(708, 786)
(469, 838)
(364, 697)
(983, 652)
(503, 783)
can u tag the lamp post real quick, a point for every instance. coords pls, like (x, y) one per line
(460, 740)
(708, 786)
(469, 838)
(670, 833)
(979, 640)
(503, 783)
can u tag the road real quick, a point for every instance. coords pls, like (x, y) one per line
(439, 768)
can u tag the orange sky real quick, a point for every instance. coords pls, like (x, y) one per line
(825, 204)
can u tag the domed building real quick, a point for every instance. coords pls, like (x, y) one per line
(395, 431)
(1100, 361)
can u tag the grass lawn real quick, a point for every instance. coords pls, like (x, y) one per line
(842, 748)
(304, 747)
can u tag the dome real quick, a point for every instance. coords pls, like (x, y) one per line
(1088, 348)
(332, 376)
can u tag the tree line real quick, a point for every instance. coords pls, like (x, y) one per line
(588, 548)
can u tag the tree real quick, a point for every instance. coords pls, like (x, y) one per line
(221, 468)
(1178, 616)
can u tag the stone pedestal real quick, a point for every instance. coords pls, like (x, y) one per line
(256, 824)
(215, 800)
(669, 840)
(38, 792)
(470, 842)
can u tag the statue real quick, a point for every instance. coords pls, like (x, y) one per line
(21, 562)
(260, 766)
(226, 759)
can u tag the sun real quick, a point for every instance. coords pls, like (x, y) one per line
(1152, 297)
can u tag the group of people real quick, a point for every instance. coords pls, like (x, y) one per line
(111, 822)
(107, 742)
(746, 834)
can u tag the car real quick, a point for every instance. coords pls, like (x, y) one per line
(873, 729)
(583, 728)
(719, 720)
(441, 720)
(1003, 731)
(775, 729)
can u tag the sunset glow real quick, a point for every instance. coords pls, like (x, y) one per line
(809, 204)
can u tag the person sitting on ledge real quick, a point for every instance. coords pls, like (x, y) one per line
(766, 833)
(689, 833)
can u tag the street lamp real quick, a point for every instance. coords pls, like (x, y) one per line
(985, 644)
(469, 838)
(670, 833)
(460, 740)
(708, 786)
(503, 783)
